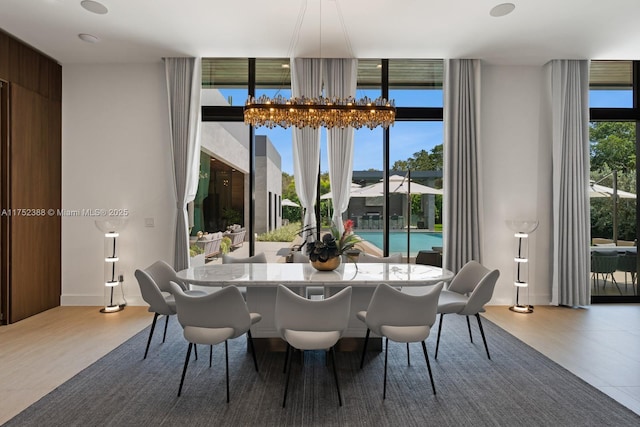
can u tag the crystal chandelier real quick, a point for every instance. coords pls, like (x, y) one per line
(319, 112)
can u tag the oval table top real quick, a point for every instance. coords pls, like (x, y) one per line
(292, 274)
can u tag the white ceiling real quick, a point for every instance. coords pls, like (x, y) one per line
(147, 30)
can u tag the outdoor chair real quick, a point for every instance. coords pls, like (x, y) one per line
(627, 262)
(603, 265)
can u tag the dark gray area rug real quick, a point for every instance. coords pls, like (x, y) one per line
(517, 386)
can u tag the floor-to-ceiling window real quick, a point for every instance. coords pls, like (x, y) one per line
(412, 146)
(615, 115)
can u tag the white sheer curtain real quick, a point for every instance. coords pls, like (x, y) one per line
(183, 89)
(571, 229)
(462, 201)
(306, 80)
(340, 78)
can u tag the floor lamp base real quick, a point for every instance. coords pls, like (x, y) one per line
(522, 308)
(112, 308)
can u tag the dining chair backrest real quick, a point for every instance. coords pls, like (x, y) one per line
(299, 258)
(481, 294)
(152, 295)
(465, 281)
(628, 262)
(604, 261)
(390, 307)
(298, 313)
(260, 258)
(221, 309)
(391, 259)
(162, 273)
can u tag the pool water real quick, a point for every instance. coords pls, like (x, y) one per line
(419, 240)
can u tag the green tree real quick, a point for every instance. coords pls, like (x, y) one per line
(613, 146)
(422, 160)
(425, 161)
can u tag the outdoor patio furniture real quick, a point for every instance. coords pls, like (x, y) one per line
(603, 265)
(237, 236)
(627, 263)
(210, 244)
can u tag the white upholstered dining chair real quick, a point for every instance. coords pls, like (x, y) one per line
(213, 319)
(466, 295)
(311, 325)
(402, 318)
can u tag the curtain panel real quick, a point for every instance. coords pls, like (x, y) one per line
(183, 89)
(462, 200)
(571, 220)
(340, 78)
(306, 80)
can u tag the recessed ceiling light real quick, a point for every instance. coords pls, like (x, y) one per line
(88, 38)
(94, 6)
(502, 9)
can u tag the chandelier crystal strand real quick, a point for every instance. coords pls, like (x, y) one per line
(319, 112)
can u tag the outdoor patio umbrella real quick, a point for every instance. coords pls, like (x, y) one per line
(397, 185)
(287, 202)
(328, 196)
(597, 190)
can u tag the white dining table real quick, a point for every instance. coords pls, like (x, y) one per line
(261, 281)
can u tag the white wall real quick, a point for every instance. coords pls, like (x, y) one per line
(516, 160)
(115, 155)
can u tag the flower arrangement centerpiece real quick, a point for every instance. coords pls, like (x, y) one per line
(324, 254)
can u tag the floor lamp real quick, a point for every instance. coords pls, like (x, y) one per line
(113, 283)
(521, 230)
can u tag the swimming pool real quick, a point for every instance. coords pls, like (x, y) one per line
(419, 240)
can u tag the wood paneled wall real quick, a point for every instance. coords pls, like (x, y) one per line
(32, 181)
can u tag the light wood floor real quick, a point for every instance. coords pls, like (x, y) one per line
(600, 344)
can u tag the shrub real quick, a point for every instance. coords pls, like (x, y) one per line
(285, 233)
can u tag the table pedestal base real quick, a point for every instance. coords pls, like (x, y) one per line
(274, 344)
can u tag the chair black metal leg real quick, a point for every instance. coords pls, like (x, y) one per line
(408, 356)
(386, 352)
(439, 330)
(226, 362)
(335, 374)
(483, 337)
(364, 349)
(166, 323)
(195, 350)
(426, 357)
(153, 326)
(286, 358)
(613, 279)
(286, 386)
(469, 327)
(210, 354)
(253, 349)
(184, 370)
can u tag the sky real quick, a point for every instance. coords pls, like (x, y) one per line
(406, 138)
